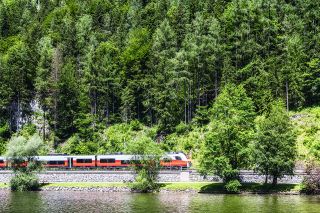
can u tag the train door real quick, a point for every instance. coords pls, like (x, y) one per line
(70, 162)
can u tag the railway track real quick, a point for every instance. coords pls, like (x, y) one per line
(125, 171)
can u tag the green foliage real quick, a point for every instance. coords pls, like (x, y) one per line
(28, 130)
(116, 138)
(182, 128)
(22, 147)
(143, 183)
(233, 186)
(189, 142)
(306, 125)
(148, 154)
(4, 135)
(275, 146)
(20, 150)
(157, 66)
(24, 182)
(226, 146)
(202, 116)
(311, 182)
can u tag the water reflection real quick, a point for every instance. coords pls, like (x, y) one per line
(31, 202)
(163, 202)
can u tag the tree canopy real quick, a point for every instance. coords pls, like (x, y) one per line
(153, 61)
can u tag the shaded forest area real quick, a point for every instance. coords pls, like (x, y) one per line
(78, 68)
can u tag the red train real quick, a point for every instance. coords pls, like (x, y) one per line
(172, 160)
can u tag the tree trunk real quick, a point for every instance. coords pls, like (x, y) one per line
(266, 180)
(287, 95)
(215, 84)
(44, 125)
(274, 180)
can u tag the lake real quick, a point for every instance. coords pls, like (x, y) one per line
(68, 201)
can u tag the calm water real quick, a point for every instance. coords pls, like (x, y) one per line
(163, 202)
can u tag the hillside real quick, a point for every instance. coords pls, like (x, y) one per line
(307, 126)
(214, 79)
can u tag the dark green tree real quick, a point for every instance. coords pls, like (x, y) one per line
(226, 146)
(275, 144)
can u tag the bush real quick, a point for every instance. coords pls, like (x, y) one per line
(143, 183)
(24, 182)
(135, 125)
(233, 186)
(21, 149)
(311, 183)
(182, 128)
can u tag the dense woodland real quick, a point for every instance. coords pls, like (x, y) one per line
(97, 73)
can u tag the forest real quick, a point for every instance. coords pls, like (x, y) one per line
(209, 77)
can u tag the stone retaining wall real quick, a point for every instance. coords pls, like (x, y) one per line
(125, 176)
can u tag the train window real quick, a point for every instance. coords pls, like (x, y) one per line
(107, 160)
(1, 161)
(59, 162)
(125, 162)
(167, 160)
(84, 160)
(178, 158)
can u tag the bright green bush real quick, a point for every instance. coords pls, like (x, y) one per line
(24, 182)
(233, 186)
(143, 183)
(19, 150)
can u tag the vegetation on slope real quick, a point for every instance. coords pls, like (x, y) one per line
(98, 76)
(307, 125)
(73, 67)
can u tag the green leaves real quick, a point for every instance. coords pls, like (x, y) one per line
(92, 64)
(226, 146)
(275, 145)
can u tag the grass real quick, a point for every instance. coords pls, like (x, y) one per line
(184, 185)
(167, 186)
(202, 187)
(3, 185)
(253, 188)
(85, 184)
(205, 187)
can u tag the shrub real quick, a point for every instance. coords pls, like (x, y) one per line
(135, 125)
(311, 183)
(24, 182)
(148, 153)
(233, 186)
(182, 128)
(21, 149)
(143, 183)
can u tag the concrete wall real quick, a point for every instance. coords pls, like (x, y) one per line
(124, 176)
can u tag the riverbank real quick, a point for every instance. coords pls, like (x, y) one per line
(187, 187)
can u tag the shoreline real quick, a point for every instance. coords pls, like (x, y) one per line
(174, 187)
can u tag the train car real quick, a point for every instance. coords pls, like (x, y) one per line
(83, 161)
(115, 160)
(53, 161)
(175, 160)
(10, 163)
(3, 163)
(169, 160)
